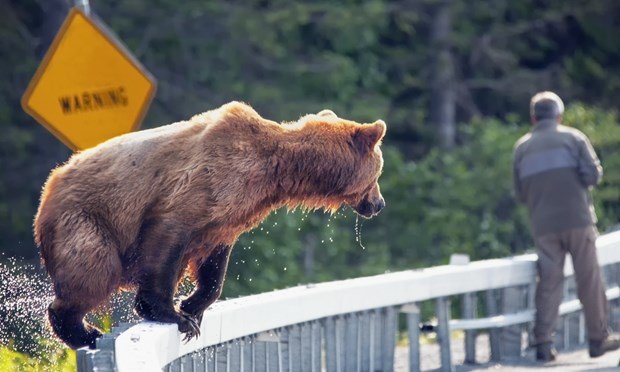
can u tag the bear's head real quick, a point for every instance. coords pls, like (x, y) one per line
(351, 161)
(364, 194)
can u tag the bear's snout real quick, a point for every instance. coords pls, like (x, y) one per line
(379, 205)
(369, 208)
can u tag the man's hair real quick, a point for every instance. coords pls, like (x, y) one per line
(546, 105)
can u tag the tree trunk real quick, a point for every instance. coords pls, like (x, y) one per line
(442, 100)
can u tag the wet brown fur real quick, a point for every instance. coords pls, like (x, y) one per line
(177, 192)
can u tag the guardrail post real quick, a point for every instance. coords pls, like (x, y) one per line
(615, 309)
(259, 356)
(247, 353)
(174, 366)
(390, 328)
(85, 359)
(187, 364)
(351, 361)
(234, 356)
(274, 354)
(560, 333)
(223, 357)
(561, 328)
(573, 329)
(286, 346)
(333, 344)
(413, 331)
(267, 353)
(375, 338)
(443, 333)
(570, 292)
(101, 359)
(581, 338)
(290, 348)
(613, 280)
(317, 354)
(198, 360)
(306, 347)
(494, 334)
(531, 305)
(511, 336)
(211, 358)
(571, 321)
(365, 342)
(469, 312)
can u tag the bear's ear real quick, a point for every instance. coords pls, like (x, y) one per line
(368, 135)
(328, 113)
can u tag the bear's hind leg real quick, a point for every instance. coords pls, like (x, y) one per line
(210, 276)
(86, 269)
(68, 324)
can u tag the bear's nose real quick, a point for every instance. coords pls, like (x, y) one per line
(379, 205)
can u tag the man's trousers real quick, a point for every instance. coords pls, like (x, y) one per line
(552, 249)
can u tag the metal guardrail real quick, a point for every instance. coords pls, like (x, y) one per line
(352, 325)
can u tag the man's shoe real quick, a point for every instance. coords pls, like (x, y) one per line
(598, 348)
(545, 352)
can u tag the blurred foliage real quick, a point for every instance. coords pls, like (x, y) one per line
(363, 59)
(603, 129)
(62, 360)
(455, 202)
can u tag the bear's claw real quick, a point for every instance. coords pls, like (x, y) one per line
(189, 326)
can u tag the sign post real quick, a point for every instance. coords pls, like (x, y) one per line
(88, 88)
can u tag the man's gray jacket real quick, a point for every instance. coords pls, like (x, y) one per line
(554, 168)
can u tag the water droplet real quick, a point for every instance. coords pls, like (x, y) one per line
(358, 232)
(25, 295)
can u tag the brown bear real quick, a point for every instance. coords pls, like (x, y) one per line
(137, 210)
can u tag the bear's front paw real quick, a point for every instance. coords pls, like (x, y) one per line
(197, 316)
(189, 326)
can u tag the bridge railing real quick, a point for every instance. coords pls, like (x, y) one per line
(352, 325)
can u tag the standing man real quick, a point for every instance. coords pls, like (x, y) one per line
(554, 169)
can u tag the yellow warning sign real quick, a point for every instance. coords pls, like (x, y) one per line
(88, 88)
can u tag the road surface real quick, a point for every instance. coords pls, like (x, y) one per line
(569, 360)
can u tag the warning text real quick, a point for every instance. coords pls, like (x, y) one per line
(94, 100)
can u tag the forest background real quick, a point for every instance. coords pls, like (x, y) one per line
(452, 79)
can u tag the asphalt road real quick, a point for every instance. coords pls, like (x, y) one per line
(569, 360)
